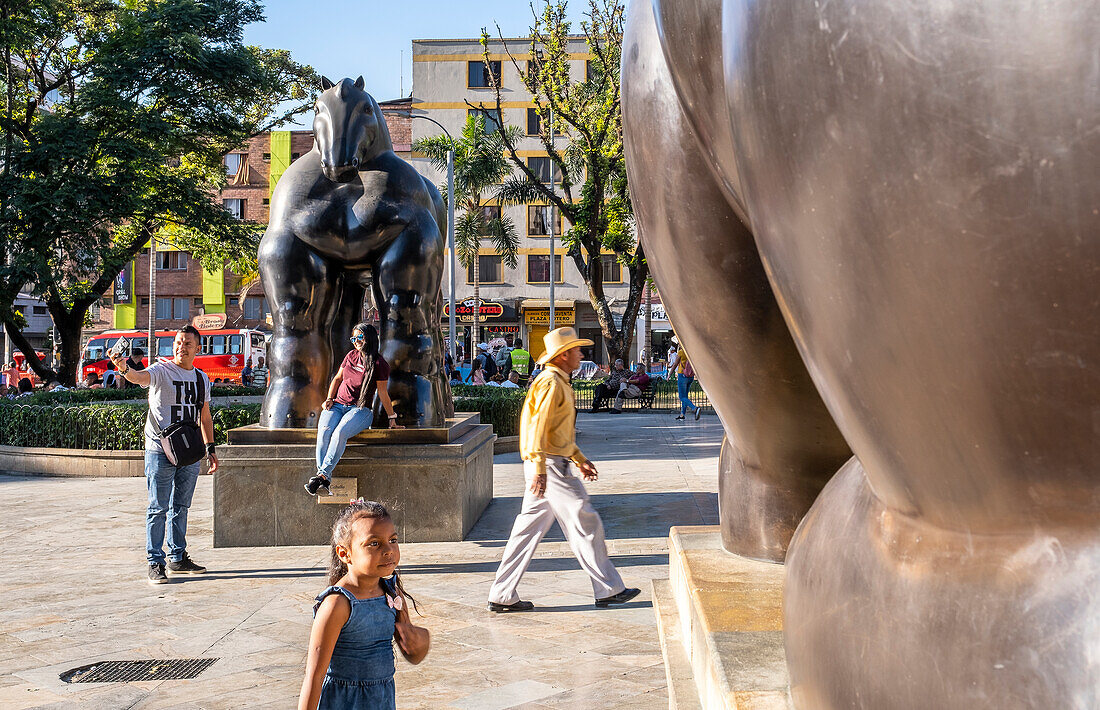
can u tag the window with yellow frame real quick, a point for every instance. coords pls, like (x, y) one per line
(490, 270)
(538, 269)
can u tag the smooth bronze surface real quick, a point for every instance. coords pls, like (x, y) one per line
(348, 213)
(923, 184)
(782, 444)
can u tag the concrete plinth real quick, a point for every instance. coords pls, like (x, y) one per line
(721, 625)
(435, 482)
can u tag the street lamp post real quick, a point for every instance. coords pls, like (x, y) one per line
(553, 230)
(450, 227)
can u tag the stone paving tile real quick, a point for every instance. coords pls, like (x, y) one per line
(73, 591)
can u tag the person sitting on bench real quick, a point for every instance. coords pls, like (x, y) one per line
(610, 387)
(632, 388)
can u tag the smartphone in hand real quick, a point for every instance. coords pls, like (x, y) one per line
(118, 349)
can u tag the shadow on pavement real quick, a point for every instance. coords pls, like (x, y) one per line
(551, 564)
(624, 515)
(590, 607)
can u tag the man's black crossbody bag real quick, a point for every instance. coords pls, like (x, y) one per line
(182, 441)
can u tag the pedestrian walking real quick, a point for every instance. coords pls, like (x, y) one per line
(349, 408)
(359, 616)
(549, 451)
(685, 376)
(178, 392)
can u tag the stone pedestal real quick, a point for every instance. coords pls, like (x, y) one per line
(435, 482)
(721, 625)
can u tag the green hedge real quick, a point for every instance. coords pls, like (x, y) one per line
(115, 427)
(500, 410)
(79, 396)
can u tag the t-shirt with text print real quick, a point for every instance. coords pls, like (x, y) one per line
(173, 398)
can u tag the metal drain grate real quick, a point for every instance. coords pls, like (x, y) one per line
(125, 671)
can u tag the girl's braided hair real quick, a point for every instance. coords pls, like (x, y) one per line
(341, 535)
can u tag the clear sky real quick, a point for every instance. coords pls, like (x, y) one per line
(347, 37)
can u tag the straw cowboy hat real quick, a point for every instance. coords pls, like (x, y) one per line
(558, 341)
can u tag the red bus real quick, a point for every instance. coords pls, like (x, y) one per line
(222, 355)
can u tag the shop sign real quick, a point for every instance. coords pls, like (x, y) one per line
(464, 310)
(541, 316)
(123, 289)
(211, 321)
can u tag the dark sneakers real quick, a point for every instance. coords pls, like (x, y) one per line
(698, 413)
(156, 574)
(621, 598)
(317, 483)
(185, 566)
(518, 606)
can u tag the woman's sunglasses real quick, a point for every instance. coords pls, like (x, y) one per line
(357, 338)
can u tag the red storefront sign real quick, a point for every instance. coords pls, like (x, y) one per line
(464, 310)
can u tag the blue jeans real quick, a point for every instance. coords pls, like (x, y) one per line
(336, 426)
(683, 383)
(170, 491)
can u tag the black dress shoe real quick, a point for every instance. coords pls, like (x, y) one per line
(621, 598)
(518, 606)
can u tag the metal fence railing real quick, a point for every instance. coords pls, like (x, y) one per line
(664, 396)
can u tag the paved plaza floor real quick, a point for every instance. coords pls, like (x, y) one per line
(73, 591)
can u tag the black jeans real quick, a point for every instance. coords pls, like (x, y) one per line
(603, 391)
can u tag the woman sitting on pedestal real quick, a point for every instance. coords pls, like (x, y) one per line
(349, 407)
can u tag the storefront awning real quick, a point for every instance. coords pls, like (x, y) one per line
(531, 303)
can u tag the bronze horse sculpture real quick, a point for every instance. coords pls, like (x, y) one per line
(897, 207)
(349, 213)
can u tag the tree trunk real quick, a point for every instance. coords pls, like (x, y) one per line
(477, 305)
(69, 329)
(618, 339)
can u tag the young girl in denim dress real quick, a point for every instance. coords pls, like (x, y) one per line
(357, 619)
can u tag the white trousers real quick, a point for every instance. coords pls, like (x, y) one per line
(567, 500)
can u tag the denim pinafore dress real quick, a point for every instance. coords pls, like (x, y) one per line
(360, 673)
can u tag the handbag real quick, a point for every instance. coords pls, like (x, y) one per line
(182, 442)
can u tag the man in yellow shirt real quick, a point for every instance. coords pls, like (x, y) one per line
(548, 449)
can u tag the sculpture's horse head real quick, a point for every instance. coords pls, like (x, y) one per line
(348, 127)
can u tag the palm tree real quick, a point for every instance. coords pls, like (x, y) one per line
(479, 169)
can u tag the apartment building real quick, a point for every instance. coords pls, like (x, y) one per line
(448, 76)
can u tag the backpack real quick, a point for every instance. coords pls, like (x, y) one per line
(689, 371)
(488, 365)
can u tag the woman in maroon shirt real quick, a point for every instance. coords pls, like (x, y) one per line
(349, 408)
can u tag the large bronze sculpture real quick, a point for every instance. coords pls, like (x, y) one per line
(922, 185)
(347, 213)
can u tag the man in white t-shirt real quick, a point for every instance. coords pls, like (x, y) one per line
(173, 397)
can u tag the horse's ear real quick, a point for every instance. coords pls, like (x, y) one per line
(359, 83)
(326, 83)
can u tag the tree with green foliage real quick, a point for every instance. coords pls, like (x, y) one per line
(120, 113)
(479, 168)
(594, 197)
